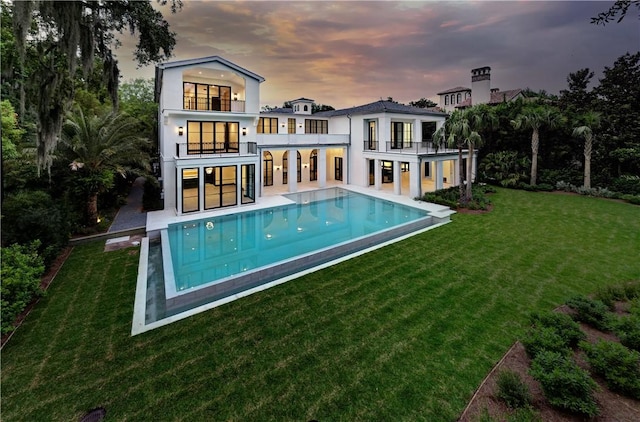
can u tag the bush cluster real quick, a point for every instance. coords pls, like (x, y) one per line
(628, 185)
(21, 270)
(592, 311)
(627, 328)
(512, 390)
(450, 197)
(552, 331)
(621, 292)
(564, 383)
(598, 192)
(619, 366)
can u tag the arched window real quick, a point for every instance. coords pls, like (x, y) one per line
(285, 168)
(313, 165)
(268, 168)
(458, 99)
(306, 108)
(299, 167)
(446, 100)
(453, 99)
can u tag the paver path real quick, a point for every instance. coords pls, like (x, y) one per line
(131, 215)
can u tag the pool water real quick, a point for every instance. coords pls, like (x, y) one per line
(229, 253)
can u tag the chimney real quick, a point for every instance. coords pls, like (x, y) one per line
(481, 85)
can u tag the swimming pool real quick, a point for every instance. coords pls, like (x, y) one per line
(211, 258)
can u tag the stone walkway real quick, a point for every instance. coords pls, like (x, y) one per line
(131, 215)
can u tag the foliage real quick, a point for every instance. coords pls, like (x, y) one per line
(512, 390)
(137, 100)
(55, 38)
(423, 103)
(626, 184)
(450, 198)
(617, 11)
(620, 292)
(151, 198)
(591, 311)
(35, 215)
(11, 133)
(618, 365)
(541, 339)
(21, 270)
(563, 324)
(627, 328)
(564, 383)
(504, 167)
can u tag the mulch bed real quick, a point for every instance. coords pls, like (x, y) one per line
(613, 406)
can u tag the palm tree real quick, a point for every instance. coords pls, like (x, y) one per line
(455, 126)
(98, 147)
(534, 117)
(480, 117)
(591, 120)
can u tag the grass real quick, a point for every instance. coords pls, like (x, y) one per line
(406, 332)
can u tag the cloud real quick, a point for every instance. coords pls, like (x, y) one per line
(349, 53)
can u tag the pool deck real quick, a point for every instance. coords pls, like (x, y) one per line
(159, 220)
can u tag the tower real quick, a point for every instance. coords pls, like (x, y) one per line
(481, 85)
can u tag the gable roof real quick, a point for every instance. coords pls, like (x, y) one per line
(301, 99)
(456, 89)
(381, 106)
(210, 59)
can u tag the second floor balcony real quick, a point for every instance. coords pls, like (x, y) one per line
(214, 149)
(407, 147)
(204, 103)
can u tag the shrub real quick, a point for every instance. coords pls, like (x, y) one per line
(629, 185)
(564, 325)
(627, 328)
(632, 199)
(504, 167)
(618, 365)
(450, 197)
(593, 312)
(21, 270)
(34, 215)
(512, 390)
(151, 198)
(621, 292)
(541, 339)
(564, 383)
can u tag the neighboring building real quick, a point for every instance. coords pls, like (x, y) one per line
(217, 150)
(479, 93)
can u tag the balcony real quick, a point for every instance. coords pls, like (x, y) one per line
(414, 148)
(306, 139)
(211, 149)
(202, 103)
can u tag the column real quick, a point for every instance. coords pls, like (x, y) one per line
(415, 179)
(474, 166)
(293, 170)
(456, 172)
(438, 175)
(322, 167)
(397, 178)
(378, 173)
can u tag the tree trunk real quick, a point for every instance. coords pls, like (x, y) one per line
(588, 143)
(469, 196)
(92, 209)
(461, 176)
(535, 141)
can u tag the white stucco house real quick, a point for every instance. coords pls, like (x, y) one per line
(479, 93)
(218, 150)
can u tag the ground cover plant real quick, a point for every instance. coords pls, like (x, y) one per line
(406, 332)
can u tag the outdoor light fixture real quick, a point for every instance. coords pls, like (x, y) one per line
(235, 96)
(305, 165)
(278, 168)
(180, 130)
(244, 131)
(209, 170)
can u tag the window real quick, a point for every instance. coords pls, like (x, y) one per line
(219, 187)
(404, 167)
(299, 161)
(372, 144)
(306, 108)
(338, 172)
(285, 168)
(313, 165)
(190, 185)
(427, 131)
(292, 125)
(248, 183)
(268, 168)
(401, 135)
(268, 125)
(212, 137)
(316, 126)
(387, 171)
(458, 99)
(446, 100)
(198, 96)
(427, 169)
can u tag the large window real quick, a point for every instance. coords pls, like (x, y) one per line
(401, 135)
(219, 187)
(248, 183)
(372, 144)
(212, 137)
(316, 126)
(313, 165)
(190, 189)
(428, 128)
(268, 169)
(268, 125)
(338, 169)
(292, 125)
(198, 96)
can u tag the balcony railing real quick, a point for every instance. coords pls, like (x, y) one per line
(217, 149)
(407, 147)
(213, 104)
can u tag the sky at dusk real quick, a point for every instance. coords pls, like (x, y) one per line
(348, 53)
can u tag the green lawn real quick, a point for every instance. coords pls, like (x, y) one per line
(406, 332)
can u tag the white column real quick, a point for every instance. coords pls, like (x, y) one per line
(322, 167)
(293, 170)
(438, 175)
(415, 179)
(378, 173)
(397, 178)
(456, 172)
(474, 166)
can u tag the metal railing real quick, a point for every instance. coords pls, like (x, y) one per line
(407, 147)
(211, 149)
(213, 104)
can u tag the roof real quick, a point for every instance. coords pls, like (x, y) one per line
(301, 99)
(279, 110)
(496, 98)
(381, 106)
(456, 89)
(210, 59)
